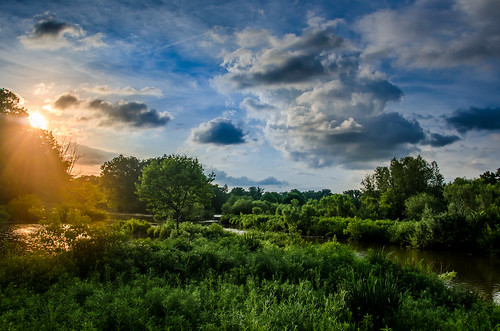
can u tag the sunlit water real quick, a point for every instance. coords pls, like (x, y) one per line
(18, 235)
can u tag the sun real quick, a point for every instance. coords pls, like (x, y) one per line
(37, 121)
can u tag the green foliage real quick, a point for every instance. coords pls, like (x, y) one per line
(27, 208)
(118, 178)
(136, 227)
(376, 298)
(10, 104)
(416, 204)
(202, 277)
(4, 214)
(337, 205)
(404, 178)
(174, 183)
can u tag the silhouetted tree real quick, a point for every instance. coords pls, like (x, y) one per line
(31, 160)
(118, 178)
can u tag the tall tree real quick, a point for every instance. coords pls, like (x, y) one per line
(402, 179)
(175, 184)
(118, 178)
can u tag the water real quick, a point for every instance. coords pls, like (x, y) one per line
(19, 235)
(480, 273)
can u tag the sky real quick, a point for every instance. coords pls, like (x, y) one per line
(276, 94)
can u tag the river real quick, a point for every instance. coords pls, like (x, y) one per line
(478, 272)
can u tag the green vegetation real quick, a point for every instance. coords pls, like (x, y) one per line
(175, 184)
(139, 276)
(406, 204)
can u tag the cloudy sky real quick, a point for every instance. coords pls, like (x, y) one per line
(277, 94)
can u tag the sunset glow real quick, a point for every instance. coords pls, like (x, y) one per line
(38, 121)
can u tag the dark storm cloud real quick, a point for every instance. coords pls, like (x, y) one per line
(223, 178)
(293, 70)
(133, 113)
(319, 105)
(392, 129)
(382, 89)
(49, 33)
(318, 41)
(49, 27)
(438, 140)
(66, 101)
(378, 138)
(252, 104)
(464, 120)
(219, 132)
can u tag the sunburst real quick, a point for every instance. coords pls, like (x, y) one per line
(38, 121)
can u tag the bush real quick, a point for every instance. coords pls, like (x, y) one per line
(136, 227)
(27, 208)
(375, 296)
(4, 214)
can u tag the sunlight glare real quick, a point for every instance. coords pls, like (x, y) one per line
(38, 121)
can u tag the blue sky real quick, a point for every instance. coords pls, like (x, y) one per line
(276, 94)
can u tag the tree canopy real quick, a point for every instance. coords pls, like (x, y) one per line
(174, 183)
(403, 178)
(10, 104)
(118, 178)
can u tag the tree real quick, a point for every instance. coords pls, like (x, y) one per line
(175, 184)
(31, 160)
(337, 205)
(9, 104)
(238, 191)
(490, 177)
(272, 197)
(255, 192)
(402, 179)
(294, 194)
(118, 178)
(219, 198)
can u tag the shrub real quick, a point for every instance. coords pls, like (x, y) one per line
(136, 227)
(376, 296)
(27, 208)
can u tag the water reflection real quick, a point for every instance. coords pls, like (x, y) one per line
(478, 272)
(18, 235)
